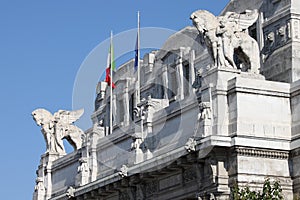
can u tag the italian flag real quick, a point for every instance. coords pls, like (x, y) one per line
(111, 65)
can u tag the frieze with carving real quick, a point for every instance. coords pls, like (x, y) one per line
(276, 35)
(261, 153)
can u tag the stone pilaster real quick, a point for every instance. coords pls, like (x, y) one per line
(165, 81)
(179, 76)
(126, 105)
(192, 70)
(43, 187)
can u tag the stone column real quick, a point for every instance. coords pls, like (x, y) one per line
(126, 105)
(98, 132)
(83, 170)
(47, 163)
(94, 164)
(48, 181)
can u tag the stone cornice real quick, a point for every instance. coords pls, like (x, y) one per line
(66, 160)
(257, 86)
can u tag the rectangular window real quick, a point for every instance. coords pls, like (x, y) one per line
(131, 107)
(186, 79)
(121, 110)
(172, 87)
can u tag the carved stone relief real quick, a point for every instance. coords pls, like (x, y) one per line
(276, 35)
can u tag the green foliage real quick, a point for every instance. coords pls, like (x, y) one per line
(269, 192)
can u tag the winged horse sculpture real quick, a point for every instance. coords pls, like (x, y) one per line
(59, 126)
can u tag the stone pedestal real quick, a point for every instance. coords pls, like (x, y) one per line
(214, 91)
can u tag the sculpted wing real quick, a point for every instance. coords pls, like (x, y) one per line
(68, 117)
(243, 20)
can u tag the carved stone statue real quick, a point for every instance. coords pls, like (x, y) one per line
(190, 145)
(205, 110)
(57, 127)
(226, 37)
(39, 187)
(123, 172)
(70, 192)
(83, 172)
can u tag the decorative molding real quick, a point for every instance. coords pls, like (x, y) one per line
(276, 35)
(252, 152)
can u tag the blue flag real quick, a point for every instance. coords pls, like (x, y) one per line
(136, 58)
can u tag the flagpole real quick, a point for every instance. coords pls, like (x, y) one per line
(138, 63)
(111, 77)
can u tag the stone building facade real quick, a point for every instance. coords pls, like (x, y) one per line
(197, 129)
